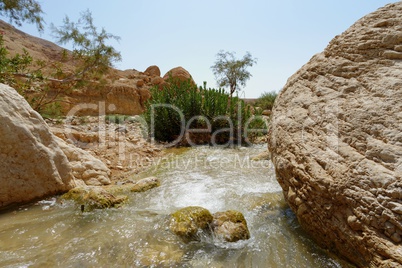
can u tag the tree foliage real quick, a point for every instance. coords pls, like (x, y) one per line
(89, 46)
(20, 11)
(231, 72)
(91, 56)
(266, 100)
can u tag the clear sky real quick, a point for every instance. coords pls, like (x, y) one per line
(283, 35)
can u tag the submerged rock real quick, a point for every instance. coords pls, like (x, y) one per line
(162, 254)
(145, 184)
(336, 142)
(230, 226)
(189, 221)
(91, 198)
(266, 155)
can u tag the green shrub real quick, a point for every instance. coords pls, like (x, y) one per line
(116, 118)
(52, 110)
(266, 100)
(195, 108)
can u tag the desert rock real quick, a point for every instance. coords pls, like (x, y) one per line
(85, 167)
(153, 70)
(336, 141)
(230, 226)
(179, 73)
(32, 163)
(188, 222)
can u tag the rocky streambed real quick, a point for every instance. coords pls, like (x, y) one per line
(55, 233)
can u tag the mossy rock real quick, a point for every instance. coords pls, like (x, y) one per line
(145, 184)
(230, 226)
(189, 221)
(94, 198)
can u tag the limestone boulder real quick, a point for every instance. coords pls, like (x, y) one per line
(32, 164)
(86, 168)
(336, 142)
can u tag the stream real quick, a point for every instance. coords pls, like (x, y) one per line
(54, 233)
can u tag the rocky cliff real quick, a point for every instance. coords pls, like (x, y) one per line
(336, 141)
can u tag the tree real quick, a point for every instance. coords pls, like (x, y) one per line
(89, 46)
(91, 56)
(22, 10)
(231, 72)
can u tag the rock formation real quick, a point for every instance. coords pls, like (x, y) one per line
(179, 73)
(336, 141)
(118, 92)
(35, 163)
(153, 70)
(85, 167)
(32, 163)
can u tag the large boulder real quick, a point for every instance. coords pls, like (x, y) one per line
(153, 70)
(180, 74)
(32, 163)
(336, 141)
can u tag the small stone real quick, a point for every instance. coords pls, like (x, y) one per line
(121, 129)
(145, 184)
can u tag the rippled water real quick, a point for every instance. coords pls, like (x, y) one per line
(56, 234)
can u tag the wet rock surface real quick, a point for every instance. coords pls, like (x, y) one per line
(189, 221)
(145, 184)
(90, 198)
(230, 226)
(192, 223)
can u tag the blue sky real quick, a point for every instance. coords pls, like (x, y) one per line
(282, 35)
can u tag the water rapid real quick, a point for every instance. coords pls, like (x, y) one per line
(52, 233)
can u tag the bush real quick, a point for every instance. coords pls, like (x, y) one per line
(116, 118)
(266, 100)
(180, 106)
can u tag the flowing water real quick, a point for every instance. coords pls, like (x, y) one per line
(52, 233)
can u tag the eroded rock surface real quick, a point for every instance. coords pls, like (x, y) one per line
(32, 163)
(230, 226)
(179, 73)
(336, 141)
(86, 168)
